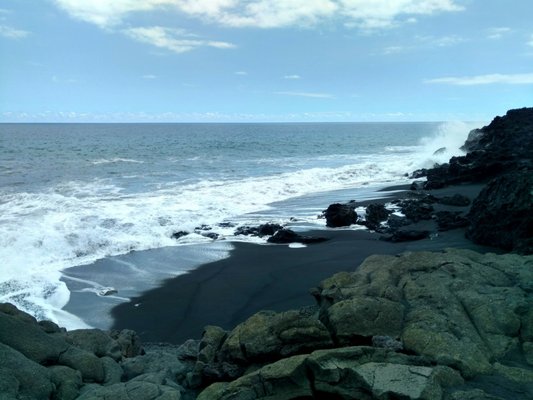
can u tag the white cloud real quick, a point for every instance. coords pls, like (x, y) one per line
(365, 14)
(293, 77)
(530, 42)
(394, 50)
(424, 42)
(308, 94)
(440, 41)
(498, 33)
(149, 76)
(510, 79)
(12, 33)
(241, 73)
(175, 40)
(379, 14)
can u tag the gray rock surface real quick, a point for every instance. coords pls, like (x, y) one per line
(23, 378)
(456, 318)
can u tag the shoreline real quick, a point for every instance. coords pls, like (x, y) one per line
(147, 270)
(258, 277)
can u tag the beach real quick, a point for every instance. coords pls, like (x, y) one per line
(264, 277)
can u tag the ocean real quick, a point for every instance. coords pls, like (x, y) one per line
(76, 194)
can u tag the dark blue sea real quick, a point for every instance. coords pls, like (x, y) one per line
(73, 194)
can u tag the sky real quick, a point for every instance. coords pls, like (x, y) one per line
(264, 60)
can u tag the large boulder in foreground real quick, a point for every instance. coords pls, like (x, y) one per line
(349, 373)
(502, 214)
(457, 308)
(453, 317)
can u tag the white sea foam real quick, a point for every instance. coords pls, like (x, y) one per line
(78, 222)
(116, 160)
(444, 144)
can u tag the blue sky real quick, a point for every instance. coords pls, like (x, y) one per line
(264, 60)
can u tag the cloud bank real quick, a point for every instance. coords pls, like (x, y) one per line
(510, 79)
(375, 14)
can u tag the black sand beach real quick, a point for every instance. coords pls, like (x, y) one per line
(267, 277)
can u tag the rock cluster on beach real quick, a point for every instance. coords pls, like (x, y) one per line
(499, 155)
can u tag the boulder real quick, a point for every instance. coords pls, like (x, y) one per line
(349, 320)
(283, 380)
(95, 341)
(21, 332)
(502, 214)
(90, 366)
(403, 381)
(179, 234)
(212, 339)
(51, 327)
(285, 236)
(154, 362)
(67, 381)
(268, 336)
(112, 371)
(22, 378)
(188, 350)
(458, 308)
(361, 373)
(136, 390)
(262, 230)
(375, 215)
(416, 209)
(128, 341)
(338, 215)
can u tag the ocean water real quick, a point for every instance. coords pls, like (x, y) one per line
(73, 194)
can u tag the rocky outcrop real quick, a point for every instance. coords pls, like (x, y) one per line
(449, 319)
(338, 215)
(261, 230)
(429, 326)
(503, 146)
(39, 360)
(502, 216)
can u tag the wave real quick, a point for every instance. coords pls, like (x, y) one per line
(116, 160)
(445, 143)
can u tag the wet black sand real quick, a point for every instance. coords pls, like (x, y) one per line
(257, 277)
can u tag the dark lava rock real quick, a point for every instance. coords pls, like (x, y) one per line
(395, 221)
(268, 229)
(179, 234)
(261, 230)
(457, 200)
(211, 235)
(227, 225)
(417, 209)
(502, 214)
(406, 236)
(284, 236)
(447, 220)
(501, 147)
(375, 215)
(338, 215)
